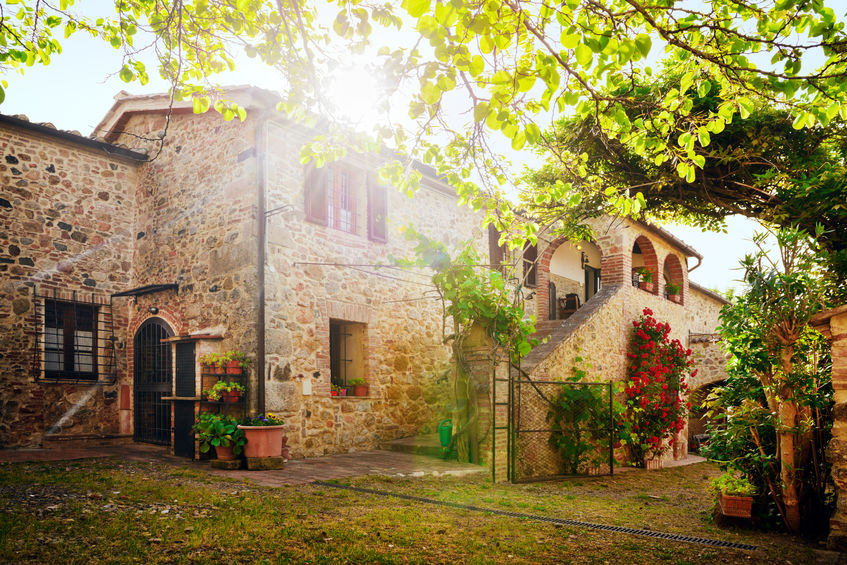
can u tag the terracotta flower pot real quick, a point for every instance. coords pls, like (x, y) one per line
(225, 453)
(648, 286)
(233, 367)
(736, 506)
(360, 390)
(674, 298)
(333, 393)
(231, 396)
(262, 441)
(217, 370)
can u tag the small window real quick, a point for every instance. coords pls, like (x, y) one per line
(330, 197)
(530, 265)
(70, 340)
(377, 211)
(347, 351)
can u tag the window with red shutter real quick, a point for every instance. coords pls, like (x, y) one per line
(496, 252)
(530, 265)
(377, 211)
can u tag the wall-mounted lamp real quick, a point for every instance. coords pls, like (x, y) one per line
(153, 310)
(584, 259)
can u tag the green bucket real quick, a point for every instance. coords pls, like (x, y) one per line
(445, 432)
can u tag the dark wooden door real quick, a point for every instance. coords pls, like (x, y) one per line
(152, 381)
(184, 409)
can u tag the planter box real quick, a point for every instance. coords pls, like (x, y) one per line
(736, 506)
(262, 441)
(654, 464)
(647, 286)
(674, 298)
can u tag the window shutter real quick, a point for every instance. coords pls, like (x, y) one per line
(377, 211)
(316, 194)
(496, 252)
(530, 265)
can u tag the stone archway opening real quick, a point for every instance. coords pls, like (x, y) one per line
(570, 274)
(672, 273)
(644, 258)
(698, 421)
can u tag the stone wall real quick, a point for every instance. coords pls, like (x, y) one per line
(196, 226)
(316, 273)
(66, 225)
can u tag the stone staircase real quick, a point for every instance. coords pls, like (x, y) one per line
(544, 328)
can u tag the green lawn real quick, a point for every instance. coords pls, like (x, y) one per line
(106, 510)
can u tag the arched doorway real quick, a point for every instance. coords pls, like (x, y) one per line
(152, 380)
(572, 274)
(644, 259)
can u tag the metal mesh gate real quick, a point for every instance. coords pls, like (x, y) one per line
(152, 381)
(556, 429)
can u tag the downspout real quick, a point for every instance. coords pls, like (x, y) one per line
(699, 262)
(261, 195)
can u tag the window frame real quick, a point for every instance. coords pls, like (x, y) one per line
(70, 353)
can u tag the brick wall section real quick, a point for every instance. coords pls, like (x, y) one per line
(66, 223)
(406, 358)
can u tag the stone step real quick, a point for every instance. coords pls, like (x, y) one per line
(419, 445)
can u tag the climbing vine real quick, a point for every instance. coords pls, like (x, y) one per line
(655, 388)
(472, 295)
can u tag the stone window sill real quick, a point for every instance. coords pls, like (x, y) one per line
(352, 397)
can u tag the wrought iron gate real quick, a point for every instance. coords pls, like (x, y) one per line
(576, 440)
(152, 381)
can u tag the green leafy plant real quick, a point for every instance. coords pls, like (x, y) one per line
(211, 360)
(215, 430)
(645, 275)
(655, 408)
(672, 288)
(359, 381)
(772, 419)
(268, 419)
(234, 355)
(583, 423)
(219, 388)
(732, 485)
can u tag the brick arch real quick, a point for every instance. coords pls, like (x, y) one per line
(651, 260)
(674, 272)
(172, 318)
(543, 285)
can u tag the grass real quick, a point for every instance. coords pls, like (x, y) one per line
(92, 511)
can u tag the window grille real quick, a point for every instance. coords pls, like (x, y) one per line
(74, 337)
(530, 266)
(339, 361)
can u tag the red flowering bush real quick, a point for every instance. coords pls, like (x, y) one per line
(655, 387)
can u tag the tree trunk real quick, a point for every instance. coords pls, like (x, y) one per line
(787, 437)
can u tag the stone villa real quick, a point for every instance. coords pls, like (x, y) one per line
(117, 272)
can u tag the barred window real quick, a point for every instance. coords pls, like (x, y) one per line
(70, 340)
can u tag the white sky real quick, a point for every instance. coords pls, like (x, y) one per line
(78, 87)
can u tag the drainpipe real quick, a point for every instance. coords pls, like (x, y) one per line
(261, 195)
(699, 262)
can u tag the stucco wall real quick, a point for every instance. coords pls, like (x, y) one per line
(66, 225)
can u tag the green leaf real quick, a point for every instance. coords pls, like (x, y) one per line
(126, 74)
(643, 43)
(518, 141)
(201, 104)
(799, 121)
(476, 66)
(430, 93)
(584, 55)
(570, 40)
(480, 111)
(416, 8)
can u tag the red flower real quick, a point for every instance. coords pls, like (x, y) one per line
(647, 312)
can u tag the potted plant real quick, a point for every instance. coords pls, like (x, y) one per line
(263, 434)
(360, 386)
(645, 277)
(212, 363)
(224, 391)
(735, 495)
(220, 432)
(333, 390)
(234, 361)
(673, 291)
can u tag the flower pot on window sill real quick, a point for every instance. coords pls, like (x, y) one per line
(674, 298)
(333, 393)
(646, 286)
(360, 390)
(736, 506)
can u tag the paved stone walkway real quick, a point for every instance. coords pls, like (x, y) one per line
(296, 471)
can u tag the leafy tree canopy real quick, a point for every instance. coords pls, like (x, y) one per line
(477, 68)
